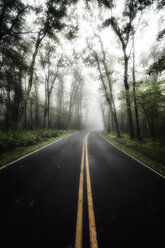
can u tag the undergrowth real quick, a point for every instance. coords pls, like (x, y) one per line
(151, 152)
(22, 138)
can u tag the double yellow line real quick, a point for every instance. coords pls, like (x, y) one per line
(79, 224)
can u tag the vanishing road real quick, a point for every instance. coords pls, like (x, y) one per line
(81, 192)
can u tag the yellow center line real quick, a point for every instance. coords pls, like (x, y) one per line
(79, 225)
(92, 225)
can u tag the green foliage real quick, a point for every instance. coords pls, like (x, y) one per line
(13, 154)
(151, 98)
(13, 50)
(55, 11)
(13, 139)
(11, 19)
(131, 8)
(158, 66)
(160, 4)
(147, 151)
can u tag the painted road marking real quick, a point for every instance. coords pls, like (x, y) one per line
(156, 172)
(92, 225)
(79, 223)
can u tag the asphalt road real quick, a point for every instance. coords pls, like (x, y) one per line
(46, 199)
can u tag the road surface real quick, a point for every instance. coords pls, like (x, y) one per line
(81, 192)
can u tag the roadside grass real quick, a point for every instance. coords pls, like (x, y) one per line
(26, 142)
(151, 153)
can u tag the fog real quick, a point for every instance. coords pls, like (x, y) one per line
(84, 24)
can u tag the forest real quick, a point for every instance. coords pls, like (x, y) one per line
(75, 65)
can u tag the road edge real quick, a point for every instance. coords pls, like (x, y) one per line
(30, 153)
(148, 167)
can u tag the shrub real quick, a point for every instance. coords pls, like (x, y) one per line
(19, 138)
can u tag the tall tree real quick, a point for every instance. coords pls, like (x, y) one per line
(114, 114)
(13, 50)
(51, 22)
(101, 61)
(134, 92)
(151, 99)
(60, 100)
(123, 33)
(75, 92)
(51, 71)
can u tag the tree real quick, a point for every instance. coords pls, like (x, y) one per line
(101, 61)
(103, 106)
(12, 17)
(49, 25)
(60, 101)
(151, 99)
(114, 114)
(51, 74)
(158, 66)
(123, 33)
(134, 93)
(13, 70)
(13, 64)
(75, 97)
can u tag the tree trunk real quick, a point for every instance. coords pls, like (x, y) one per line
(114, 115)
(114, 119)
(31, 72)
(25, 112)
(127, 95)
(103, 116)
(25, 118)
(69, 116)
(105, 88)
(153, 133)
(31, 114)
(48, 111)
(150, 124)
(7, 110)
(45, 114)
(134, 94)
(45, 106)
(36, 109)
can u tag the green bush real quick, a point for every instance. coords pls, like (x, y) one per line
(20, 138)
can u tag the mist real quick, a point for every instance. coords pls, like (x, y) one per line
(72, 70)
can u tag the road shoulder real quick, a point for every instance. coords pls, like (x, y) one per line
(156, 167)
(10, 157)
